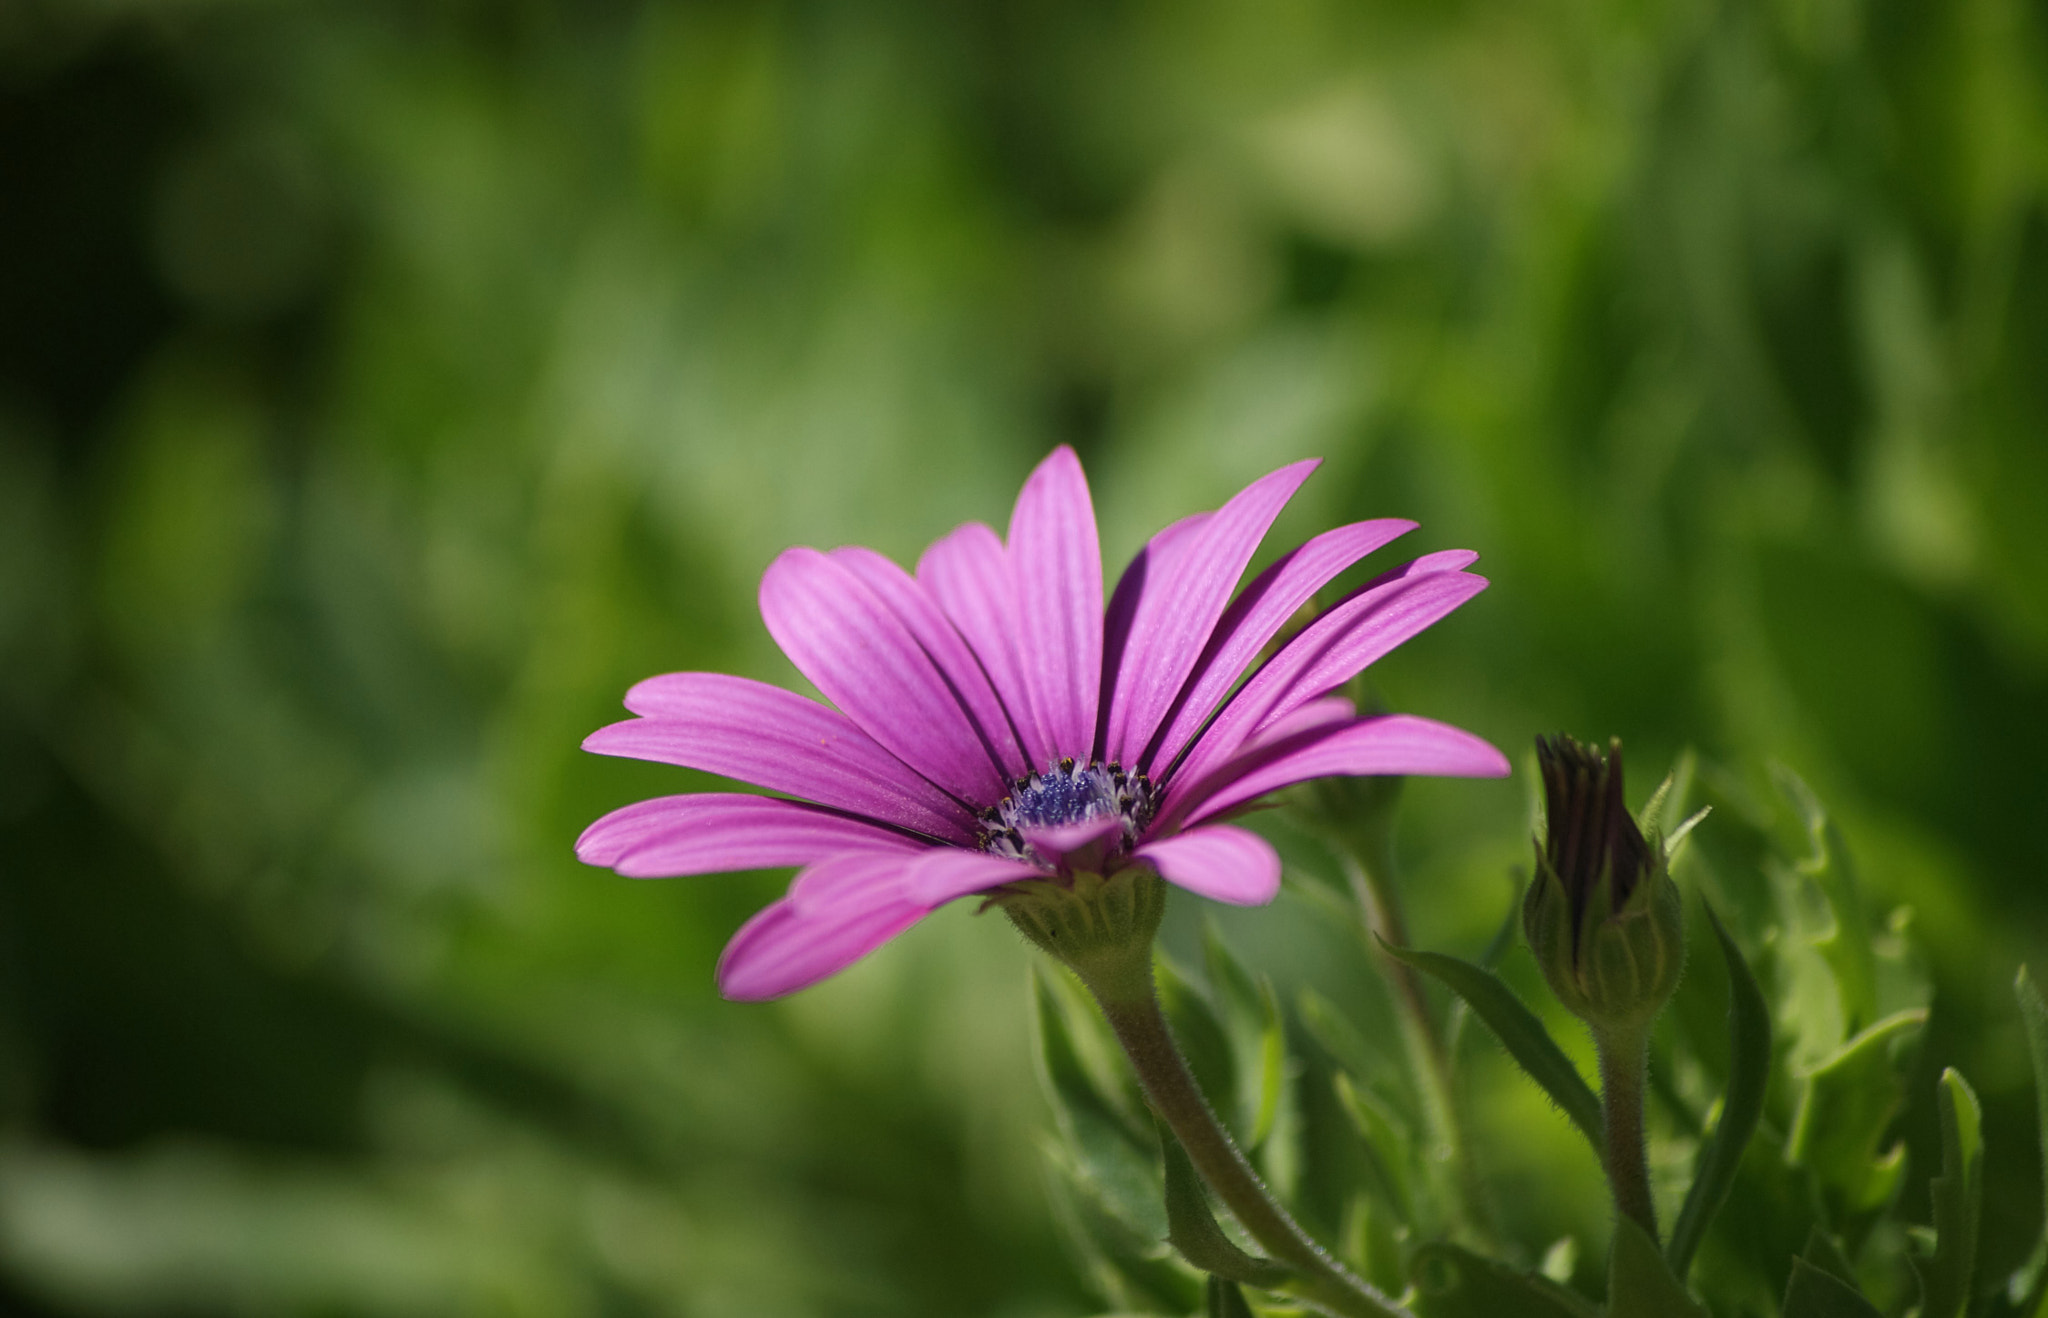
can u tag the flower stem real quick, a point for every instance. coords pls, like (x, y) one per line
(1429, 1055)
(1171, 1089)
(1624, 1073)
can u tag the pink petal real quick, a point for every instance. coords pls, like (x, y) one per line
(1328, 653)
(842, 636)
(968, 573)
(1141, 576)
(783, 949)
(1072, 847)
(777, 739)
(846, 906)
(713, 832)
(939, 876)
(929, 879)
(941, 641)
(854, 878)
(1178, 609)
(1325, 713)
(1057, 566)
(1389, 743)
(1256, 617)
(1222, 862)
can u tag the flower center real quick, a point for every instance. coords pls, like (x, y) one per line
(1068, 793)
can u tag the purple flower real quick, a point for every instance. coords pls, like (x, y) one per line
(995, 725)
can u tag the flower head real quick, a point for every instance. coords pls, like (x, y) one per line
(998, 729)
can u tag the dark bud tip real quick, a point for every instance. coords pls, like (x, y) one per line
(1603, 916)
(1590, 833)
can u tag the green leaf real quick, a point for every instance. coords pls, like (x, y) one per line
(1203, 1042)
(1519, 1031)
(1252, 1014)
(1749, 1069)
(1455, 1283)
(1346, 1044)
(1958, 1195)
(1226, 1300)
(1107, 1158)
(1272, 1069)
(1386, 1146)
(1823, 1251)
(1814, 1293)
(1130, 1270)
(1639, 1285)
(1666, 806)
(1846, 946)
(1372, 1244)
(1191, 1228)
(1847, 1105)
(2026, 1289)
(1497, 947)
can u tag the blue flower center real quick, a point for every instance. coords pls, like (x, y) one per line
(1068, 793)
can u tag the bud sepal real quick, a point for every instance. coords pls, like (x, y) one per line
(1613, 968)
(1603, 917)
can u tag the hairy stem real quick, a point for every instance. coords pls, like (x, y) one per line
(1170, 1087)
(1624, 1073)
(1428, 1054)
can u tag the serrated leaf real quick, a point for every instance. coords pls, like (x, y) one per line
(1749, 1071)
(1497, 948)
(1958, 1197)
(1386, 1145)
(1518, 1030)
(1846, 945)
(1455, 1283)
(1845, 1109)
(2026, 1286)
(1814, 1293)
(1192, 1228)
(1639, 1284)
(1226, 1300)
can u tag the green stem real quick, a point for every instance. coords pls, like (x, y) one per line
(1624, 1073)
(1170, 1087)
(1429, 1055)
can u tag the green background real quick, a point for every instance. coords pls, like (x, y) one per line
(384, 387)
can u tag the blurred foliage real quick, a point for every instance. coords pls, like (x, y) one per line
(384, 387)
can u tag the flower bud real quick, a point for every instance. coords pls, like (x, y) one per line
(1603, 916)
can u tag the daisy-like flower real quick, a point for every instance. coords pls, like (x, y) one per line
(998, 730)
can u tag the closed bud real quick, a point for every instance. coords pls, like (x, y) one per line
(1603, 916)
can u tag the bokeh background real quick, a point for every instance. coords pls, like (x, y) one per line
(386, 386)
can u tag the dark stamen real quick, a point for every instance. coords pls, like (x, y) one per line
(1068, 793)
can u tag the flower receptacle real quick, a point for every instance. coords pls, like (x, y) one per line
(1099, 927)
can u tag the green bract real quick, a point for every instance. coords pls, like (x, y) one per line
(1102, 927)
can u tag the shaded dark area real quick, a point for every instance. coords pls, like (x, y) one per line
(81, 304)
